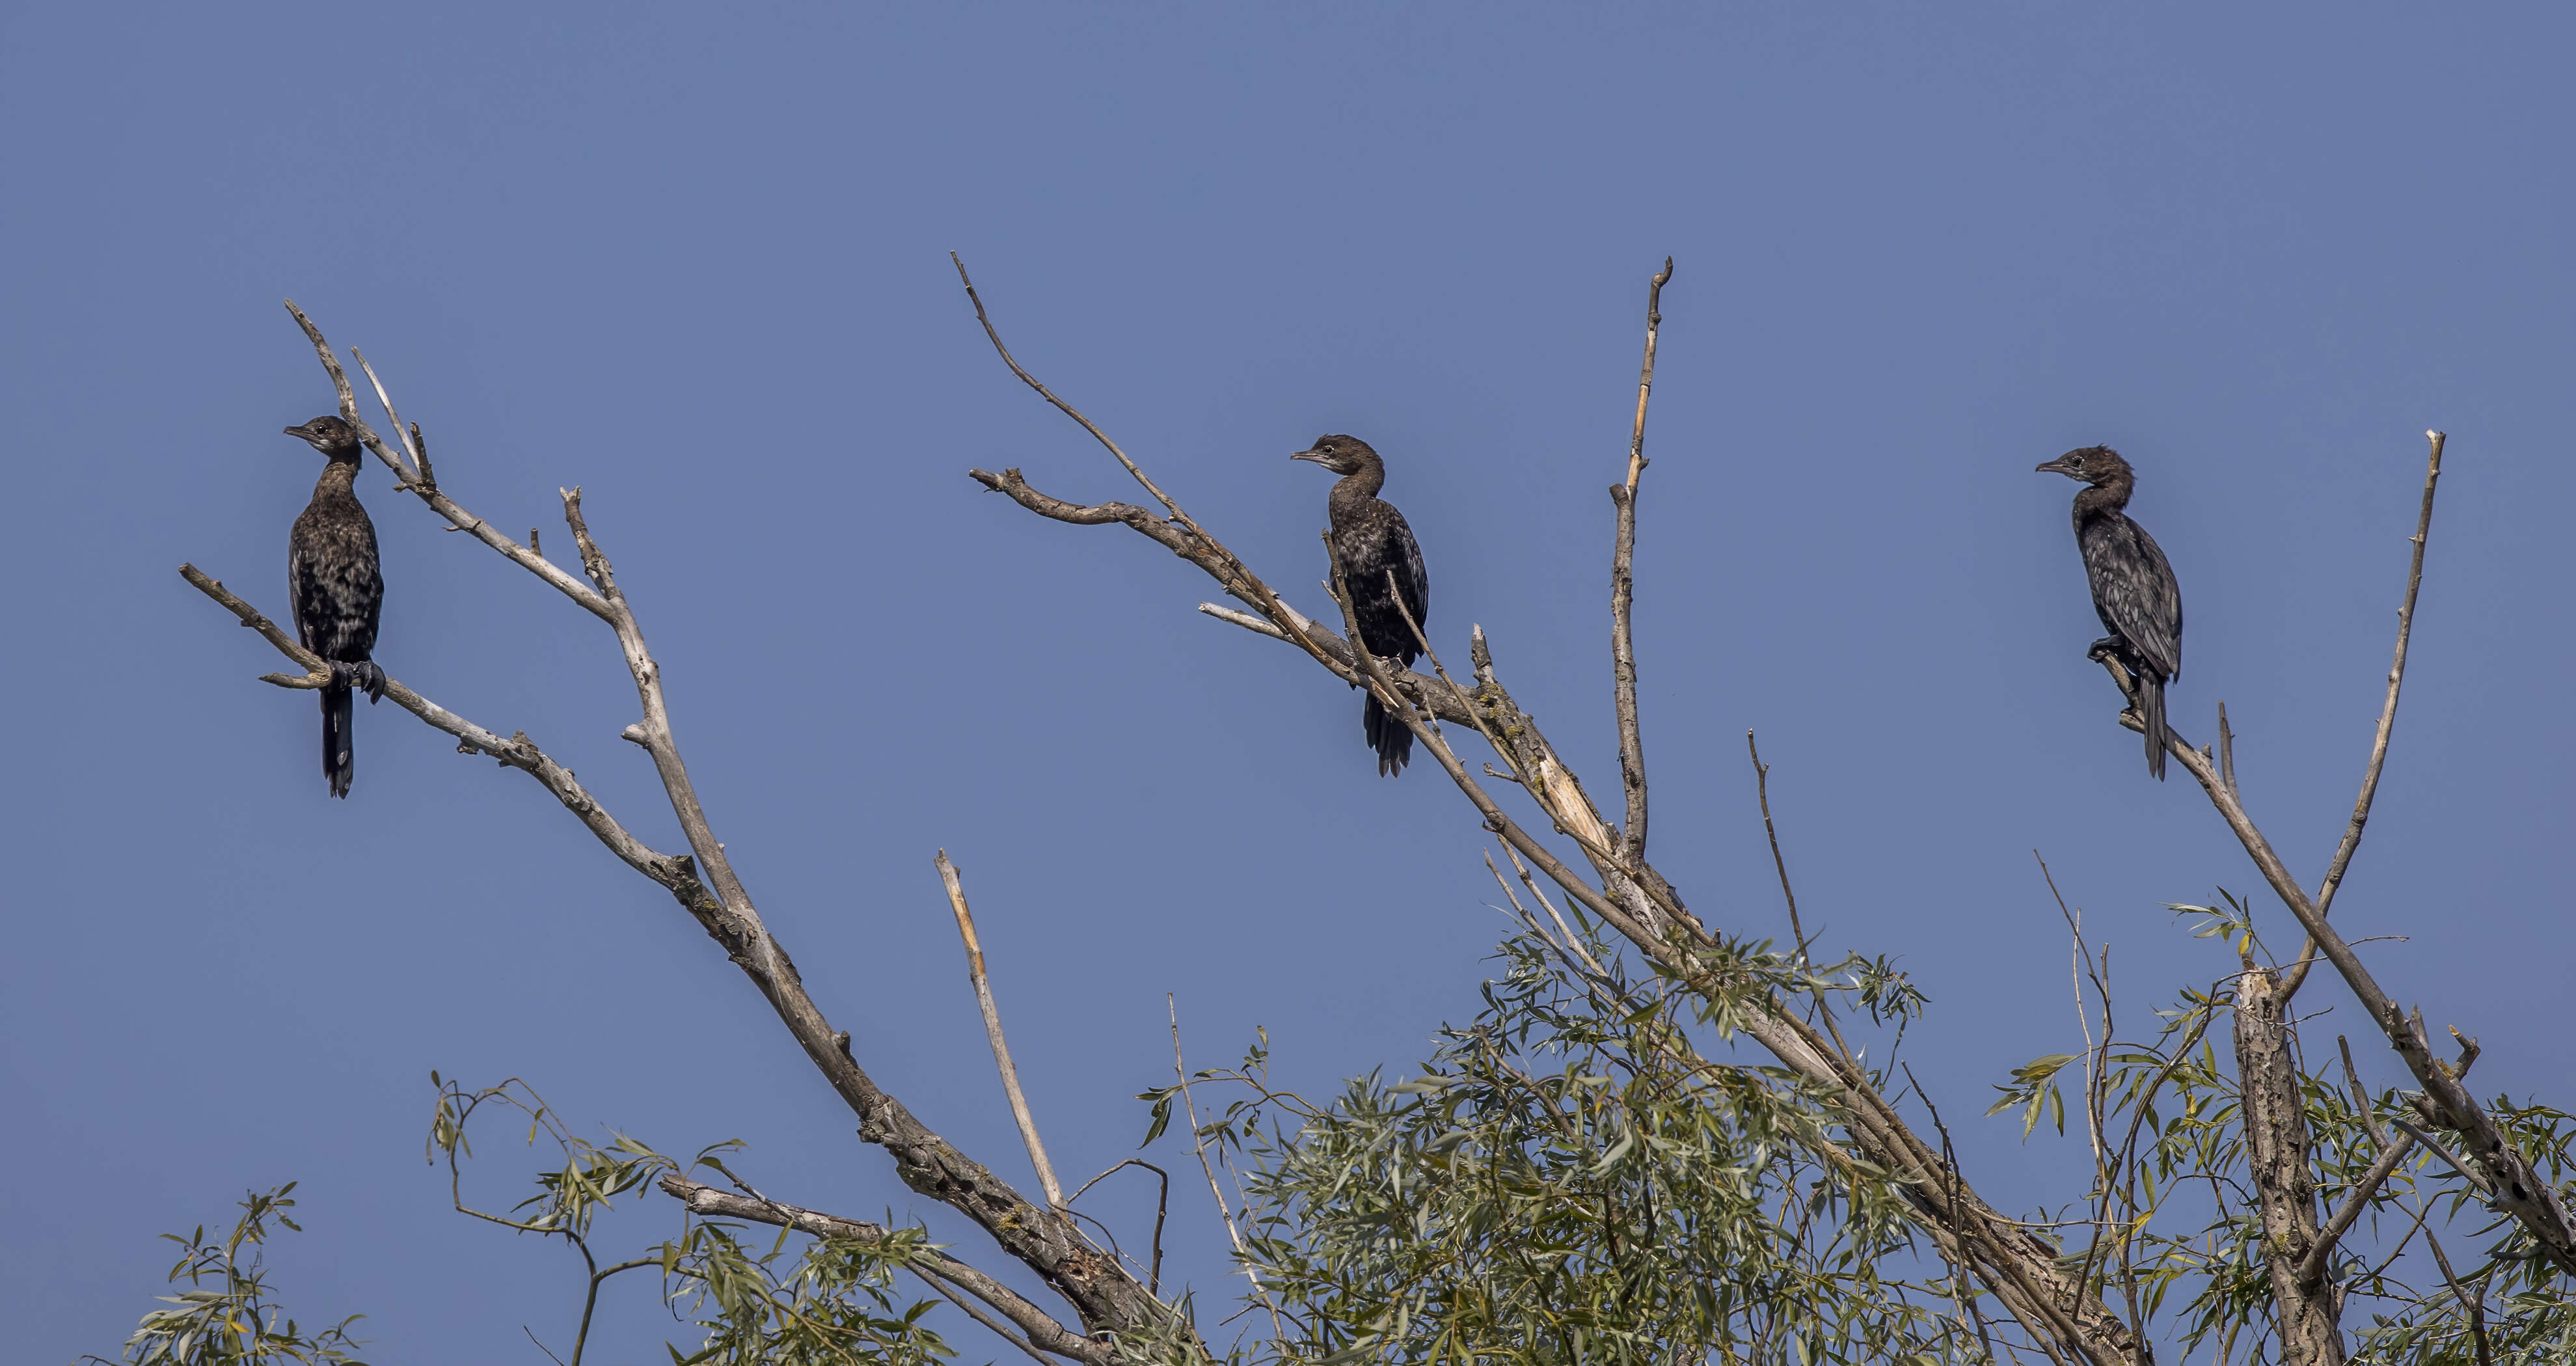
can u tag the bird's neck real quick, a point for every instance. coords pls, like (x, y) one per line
(339, 479)
(1360, 484)
(2103, 498)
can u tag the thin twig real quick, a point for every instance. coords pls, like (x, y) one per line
(1501, 751)
(1061, 406)
(2473, 1305)
(2227, 751)
(1245, 620)
(1762, 793)
(419, 456)
(993, 1030)
(2431, 1145)
(1623, 588)
(2387, 717)
(1162, 1207)
(1198, 1144)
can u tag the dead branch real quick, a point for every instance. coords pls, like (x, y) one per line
(1636, 900)
(2326, 890)
(993, 1031)
(1623, 589)
(704, 882)
(2508, 1178)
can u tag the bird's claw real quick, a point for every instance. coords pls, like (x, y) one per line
(363, 676)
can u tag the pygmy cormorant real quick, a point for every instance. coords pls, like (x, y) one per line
(1370, 539)
(337, 589)
(2133, 587)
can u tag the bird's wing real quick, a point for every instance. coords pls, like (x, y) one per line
(2136, 591)
(299, 582)
(1410, 574)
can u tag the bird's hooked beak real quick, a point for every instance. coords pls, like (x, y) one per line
(300, 431)
(1316, 456)
(2056, 466)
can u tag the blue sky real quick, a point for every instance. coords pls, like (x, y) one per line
(695, 262)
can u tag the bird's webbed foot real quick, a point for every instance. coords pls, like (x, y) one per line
(2109, 647)
(365, 677)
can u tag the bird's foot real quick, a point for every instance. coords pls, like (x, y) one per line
(365, 677)
(2110, 648)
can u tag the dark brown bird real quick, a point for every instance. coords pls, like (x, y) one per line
(337, 590)
(1369, 540)
(2133, 586)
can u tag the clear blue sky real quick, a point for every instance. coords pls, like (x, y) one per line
(695, 262)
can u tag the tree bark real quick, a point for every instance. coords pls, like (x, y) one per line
(2277, 1160)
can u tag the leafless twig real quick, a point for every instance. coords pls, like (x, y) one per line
(1198, 1145)
(2387, 717)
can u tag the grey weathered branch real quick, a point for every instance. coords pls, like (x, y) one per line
(993, 1031)
(1041, 1328)
(1633, 898)
(2298, 972)
(1623, 648)
(2516, 1189)
(704, 882)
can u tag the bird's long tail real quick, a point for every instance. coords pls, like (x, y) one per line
(1391, 738)
(2151, 709)
(339, 764)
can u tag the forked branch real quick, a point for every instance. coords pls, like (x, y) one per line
(704, 883)
(1633, 898)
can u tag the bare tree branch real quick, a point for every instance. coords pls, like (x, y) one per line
(439, 503)
(704, 882)
(993, 1032)
(419, 453)
(2508, 1177)
(2326, 890)
(1623, 649)
(1633, 898)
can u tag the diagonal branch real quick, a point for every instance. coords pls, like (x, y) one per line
(2022, 1271)
(1623, 588)
(2298, 972)
(704, 882)
(1061, 406)
(440, 503)
(2508, 1178)
(1042, 1329)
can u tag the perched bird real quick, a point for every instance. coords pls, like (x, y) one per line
(337, 589)
(1370, 539)
(2133, 587)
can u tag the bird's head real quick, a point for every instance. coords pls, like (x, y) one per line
(329, 435)
(1340, 454)
(2095, 465)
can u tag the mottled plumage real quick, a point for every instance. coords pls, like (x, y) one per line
(1370, 539)
(2133, 586)
(337, 590)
